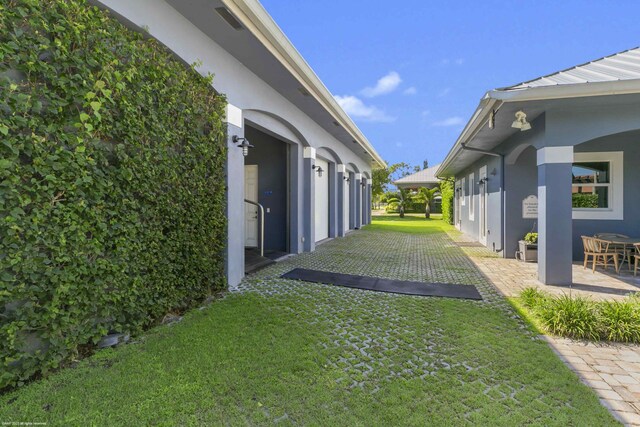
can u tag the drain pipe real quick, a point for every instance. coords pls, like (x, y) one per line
(502, 204)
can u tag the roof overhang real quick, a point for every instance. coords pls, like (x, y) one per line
(290, 74)
(507, 101)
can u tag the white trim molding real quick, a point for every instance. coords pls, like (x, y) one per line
(340, 168)
(309, 153)
(233, 115)
(615, 211)
(548, 155)
(358, 177)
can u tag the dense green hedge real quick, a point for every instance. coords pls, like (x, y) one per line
(447, 190)
(111, 183)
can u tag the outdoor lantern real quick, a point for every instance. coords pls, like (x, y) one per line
(346, 178)
(318, 169)
(521, 121)
(244, 144)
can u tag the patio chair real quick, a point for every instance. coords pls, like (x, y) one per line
(599, 250)
(623, 250)
(637, 259)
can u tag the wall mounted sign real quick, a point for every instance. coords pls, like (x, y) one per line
(530, 207)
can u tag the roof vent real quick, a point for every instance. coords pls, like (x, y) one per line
(227, 16)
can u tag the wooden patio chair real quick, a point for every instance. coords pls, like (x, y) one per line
(637, 259)
(599, 250)
(623, 250)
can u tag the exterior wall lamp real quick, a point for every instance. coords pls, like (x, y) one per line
(363, 184)
(244, 144)
(521, 121)
(346, 178)
(318, 169)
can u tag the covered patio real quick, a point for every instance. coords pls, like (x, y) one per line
(557, 155)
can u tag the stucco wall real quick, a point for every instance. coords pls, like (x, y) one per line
(628, 142)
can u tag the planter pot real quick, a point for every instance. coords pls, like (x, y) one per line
(527, 252)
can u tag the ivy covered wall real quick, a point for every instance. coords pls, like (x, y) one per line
(111, 183)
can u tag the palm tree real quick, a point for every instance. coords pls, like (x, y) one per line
(425, 196)
(401, 201)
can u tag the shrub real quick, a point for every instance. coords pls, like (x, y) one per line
(531, 238)
(620, 320)
(446, 191)
(533, 298)
(112, 182)
(584, 200)
(572, 317)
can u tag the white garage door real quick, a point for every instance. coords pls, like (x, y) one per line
(346, 212)
(322, 200)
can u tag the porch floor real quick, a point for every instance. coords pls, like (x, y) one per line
(511, 277)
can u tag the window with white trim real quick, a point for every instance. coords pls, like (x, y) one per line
(597, 185)
(471, 204)
(464, 191)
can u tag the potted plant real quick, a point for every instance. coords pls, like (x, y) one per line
(528, 248)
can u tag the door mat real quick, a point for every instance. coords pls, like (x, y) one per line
(385, 285)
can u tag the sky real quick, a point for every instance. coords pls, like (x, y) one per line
(411, 73)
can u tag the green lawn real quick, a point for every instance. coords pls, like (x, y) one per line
(289, 353)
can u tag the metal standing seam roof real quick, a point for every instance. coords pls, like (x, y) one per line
(619, 66)
(424, 176)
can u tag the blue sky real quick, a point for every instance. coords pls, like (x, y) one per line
(411, 73)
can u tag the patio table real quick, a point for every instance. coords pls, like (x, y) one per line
(624, 242)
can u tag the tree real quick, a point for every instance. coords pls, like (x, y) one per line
(447, 193)
(425, 196)
(425, 164)
(401, 200)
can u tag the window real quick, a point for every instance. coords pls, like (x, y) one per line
(471, 188)
(464, 191)
(597, 185)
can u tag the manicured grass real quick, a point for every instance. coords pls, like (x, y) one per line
(293, 353)
(411, 223)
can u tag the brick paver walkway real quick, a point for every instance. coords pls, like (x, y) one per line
(611, 369)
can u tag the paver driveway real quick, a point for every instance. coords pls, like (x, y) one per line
(285, 352)
(499, 369)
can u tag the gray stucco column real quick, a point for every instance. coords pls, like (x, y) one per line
(369, 198)
(234, 168)
(309, 201)
(555, 235)
(340, 181)
(358, 204)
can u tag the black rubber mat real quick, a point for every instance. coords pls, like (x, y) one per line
(385, 285)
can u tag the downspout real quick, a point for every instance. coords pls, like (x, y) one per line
(502, 204)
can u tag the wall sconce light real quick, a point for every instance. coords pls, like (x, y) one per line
(318, 169)
(244, 144)
(346, 178)
(363, 184)
(521, 121)
(483, 181)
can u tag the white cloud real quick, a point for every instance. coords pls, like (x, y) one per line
(386, 84)
(425, 113)
(399, 144)
(450, 121)
(444, 92)
(459, 61)
(410, 91)
(359, 110)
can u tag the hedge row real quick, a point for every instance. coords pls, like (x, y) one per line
(446, 191)
(112, 193)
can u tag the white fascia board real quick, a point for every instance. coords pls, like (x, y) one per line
(578, 90)
(255, 19)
